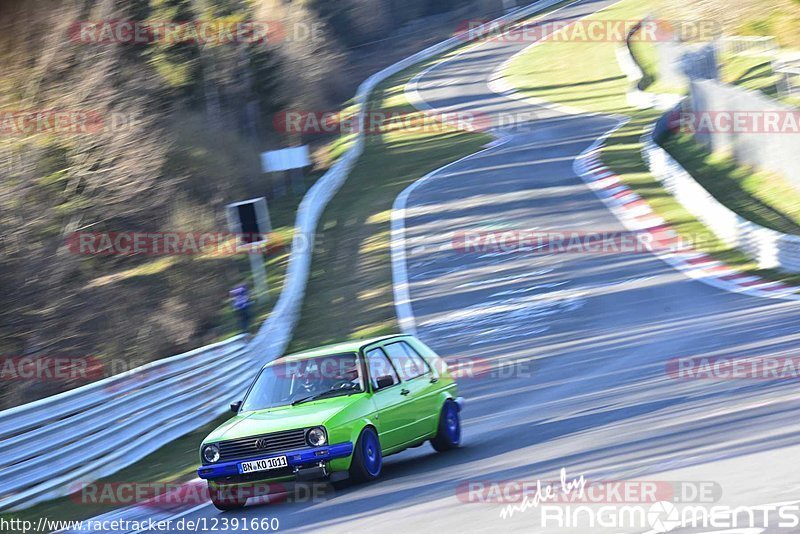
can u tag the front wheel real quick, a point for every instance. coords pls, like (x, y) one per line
(367, 458)
(226, 498)
(448, 436)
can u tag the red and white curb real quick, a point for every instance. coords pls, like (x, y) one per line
(637, 215)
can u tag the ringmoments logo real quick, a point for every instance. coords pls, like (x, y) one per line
(574, 502)
(654, 507)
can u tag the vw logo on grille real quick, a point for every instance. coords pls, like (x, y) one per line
(262, 443)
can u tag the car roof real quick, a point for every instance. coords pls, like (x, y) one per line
(336, 348)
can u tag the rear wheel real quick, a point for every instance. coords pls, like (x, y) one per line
(448, 436)
(226, 498)
(367, 458)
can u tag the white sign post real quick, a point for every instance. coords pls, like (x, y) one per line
(249, 220)
(286, 160)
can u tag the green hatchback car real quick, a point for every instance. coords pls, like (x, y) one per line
(332, 413)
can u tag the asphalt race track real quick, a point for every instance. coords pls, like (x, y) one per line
(577, 343)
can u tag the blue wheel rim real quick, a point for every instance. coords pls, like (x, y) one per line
(452, 423)
(371, 453)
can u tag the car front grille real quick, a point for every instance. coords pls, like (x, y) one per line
(288, 440)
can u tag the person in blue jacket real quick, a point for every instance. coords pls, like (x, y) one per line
(240, 300)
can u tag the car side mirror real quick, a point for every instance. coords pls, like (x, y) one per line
(385, 381)
(235, 406)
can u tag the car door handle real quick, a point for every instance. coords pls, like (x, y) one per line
(404, 392)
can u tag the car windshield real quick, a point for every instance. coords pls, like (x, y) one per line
(295, 380)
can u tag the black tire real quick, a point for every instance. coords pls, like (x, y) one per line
(225, 498)
(367, 462)
(448, 436)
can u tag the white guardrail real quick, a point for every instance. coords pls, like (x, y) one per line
(771, 249)
(49, 447)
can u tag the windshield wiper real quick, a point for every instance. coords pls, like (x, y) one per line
(324, 394)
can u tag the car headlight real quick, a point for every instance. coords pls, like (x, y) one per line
(211, 453)
(316, 437)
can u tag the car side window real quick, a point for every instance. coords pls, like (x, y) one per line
(408, 363)
(380, 368)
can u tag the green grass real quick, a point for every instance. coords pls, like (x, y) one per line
(603, 88)
(580, 74)
(750, 72)
(776, 18)
(754, 73)
(646, 55)
(762, 197)
(591, 79)
(622, 153)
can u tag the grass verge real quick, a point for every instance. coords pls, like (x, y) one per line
(765, 198)
(754, 73)
(750, 72)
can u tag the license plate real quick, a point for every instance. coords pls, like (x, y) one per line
(262, 465)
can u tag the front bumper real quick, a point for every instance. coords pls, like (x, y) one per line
(297, 458)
